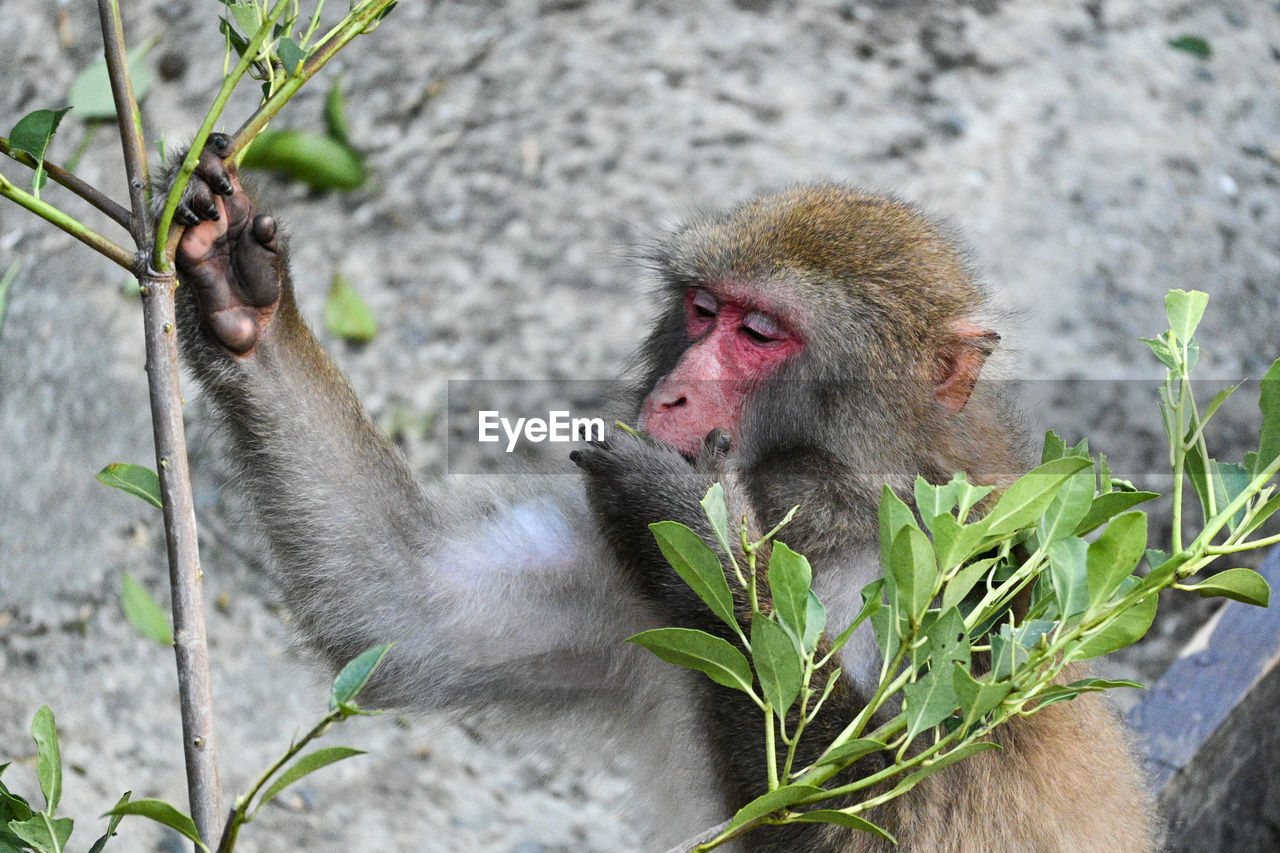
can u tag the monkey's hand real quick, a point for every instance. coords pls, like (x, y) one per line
(231, 258)
(632, 482)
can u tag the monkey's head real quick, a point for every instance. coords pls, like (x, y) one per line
(815, 320)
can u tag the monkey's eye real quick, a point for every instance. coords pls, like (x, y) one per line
(703, 304)
(761, 328)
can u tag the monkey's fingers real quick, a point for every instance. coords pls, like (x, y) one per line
(211, 177)
(259, 263)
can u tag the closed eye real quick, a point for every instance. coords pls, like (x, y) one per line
(704, 304)
(762, 329)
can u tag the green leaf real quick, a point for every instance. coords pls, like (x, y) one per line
(315, 159)
(111, 825)
(872, 601)
(1185, 308)
(355, 675)
(914, 569)
(291, 55)
(1216, 402)
(946, 641)
(1063, 692)
(1269, 404)
(847, 753)
(304, 766)
(143, 613)
(1031, 494)
(1068, 507)
(777, 661)
(1128, 628)
(1007, 654)
(1194, 45)
(959, 586)
(933, 501)
(1070, 574)
(976, 698)
(1243, 585)
(1108, 506)
(48, 757)
(789, 577)
(162, 813)
(1229, 480)
(968, 495)
(845, 819)
(956, 542)
(335, 116)
(238, 42)
(32, 134)
(894, 515)
(1263, 512)
(1160, 347)
(929, 701)
(90, 93)
(137, 480)
(766, 804)
(346, 316)
(1054, 447)
(697, 565)
(248, 17)
(815, 622)
(35, 831)
(694, 649)
(716, 508)
(1115, 554)
(34, 130)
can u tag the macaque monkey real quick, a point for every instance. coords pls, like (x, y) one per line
(811, 345)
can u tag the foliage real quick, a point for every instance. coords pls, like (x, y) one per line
(947, 593)
(23, 828)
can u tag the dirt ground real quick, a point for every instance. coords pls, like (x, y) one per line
(517, 150)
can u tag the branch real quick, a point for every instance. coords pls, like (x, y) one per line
(165, 242)
(131, 137)
(195, 694)
(86, 191)
(355, 24)
(83, 233)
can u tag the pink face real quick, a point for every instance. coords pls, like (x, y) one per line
(735, 347)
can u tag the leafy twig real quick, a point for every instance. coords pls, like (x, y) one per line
(86, 191)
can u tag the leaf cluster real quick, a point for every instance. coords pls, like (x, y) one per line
(986, 598)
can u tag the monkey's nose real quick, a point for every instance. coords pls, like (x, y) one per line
(674, 404)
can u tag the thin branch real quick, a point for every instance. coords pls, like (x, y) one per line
(191, 653)
(165, 242)
(131, 136)
(84, 234)
(355, 24)
(86, 191)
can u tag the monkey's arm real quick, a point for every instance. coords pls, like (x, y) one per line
(486, 593)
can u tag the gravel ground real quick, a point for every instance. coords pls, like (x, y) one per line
(517, 150)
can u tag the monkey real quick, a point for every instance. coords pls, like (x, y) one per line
(810, 345)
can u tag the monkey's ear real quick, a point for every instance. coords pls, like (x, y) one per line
(958, 362)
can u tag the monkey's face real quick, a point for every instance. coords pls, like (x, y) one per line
(735, 344)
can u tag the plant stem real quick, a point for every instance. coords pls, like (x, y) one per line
(86, 191)
(351, 26)
(130, 119)
(1219, 550)
(84, 234)
(195, 695)
(240, 811)
(162, 250)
